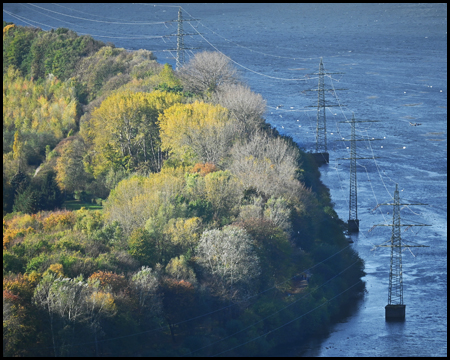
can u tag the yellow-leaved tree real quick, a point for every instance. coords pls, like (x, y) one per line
(137, 199)
(124, 131)
(197, 132)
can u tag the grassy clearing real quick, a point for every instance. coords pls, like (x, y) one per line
(77, 205)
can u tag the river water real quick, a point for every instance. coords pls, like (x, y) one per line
(394, 63)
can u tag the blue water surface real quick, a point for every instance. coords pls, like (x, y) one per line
(393, 61)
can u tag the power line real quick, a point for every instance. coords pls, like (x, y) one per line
(76, 25)
(353, 221)
(20, 19)
(100, 21)
(244, 67)
(395, 309)
(259, 52)
(321, 155)
(180, 40)
(104, 36)
(82, 12)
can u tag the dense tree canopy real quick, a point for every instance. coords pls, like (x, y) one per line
(197, 132)
(206, 217)
(125, 133)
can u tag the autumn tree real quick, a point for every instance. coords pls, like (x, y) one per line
(125, 133)
(137, 199)
(73, 300)
(197, 132)
(183, 234)
(223, 191)
(98, 304)
(268, 165)
(207, 71)
(109, 280)
(179, 269)
(244, 105)
(228, 255)
(70, 170)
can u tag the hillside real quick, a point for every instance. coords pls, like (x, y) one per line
(214, 230)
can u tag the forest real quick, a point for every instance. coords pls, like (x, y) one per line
(154, 212)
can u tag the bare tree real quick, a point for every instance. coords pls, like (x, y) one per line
(145, 285)
(211, 143)
(244, 105)
(207, 71)
(268, 165)
(228, 255)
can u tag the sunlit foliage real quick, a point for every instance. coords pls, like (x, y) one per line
(197, 132)
(124, 131)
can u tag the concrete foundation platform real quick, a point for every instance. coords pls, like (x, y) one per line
(321, 158)
(353, 226)
(395, 312)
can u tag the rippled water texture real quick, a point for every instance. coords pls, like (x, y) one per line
(394, 57)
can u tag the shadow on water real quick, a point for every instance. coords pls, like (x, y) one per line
(311, 347)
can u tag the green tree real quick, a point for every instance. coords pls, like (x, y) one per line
(50, 196)
(143, 247)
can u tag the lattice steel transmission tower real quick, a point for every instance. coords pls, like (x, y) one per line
(353, 221)
(180, 39)
(321, 155)
(395, 309)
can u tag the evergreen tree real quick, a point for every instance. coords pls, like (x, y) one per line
(50, 196)
(26, 201)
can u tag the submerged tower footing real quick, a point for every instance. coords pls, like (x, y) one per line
(395, 312)
(353, 226)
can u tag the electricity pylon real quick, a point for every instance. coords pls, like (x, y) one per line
(395, 309)
(353, 221)
(321, 156)
(180, 40)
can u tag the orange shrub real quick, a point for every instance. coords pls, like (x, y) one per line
(115, 281)
(59, 219)
(19, 285)
(12, 234)
(204, 169)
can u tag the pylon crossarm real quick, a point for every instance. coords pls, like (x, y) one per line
(401, 246)
(401, 225)
(357, 139)
(323, 89)
(401, 204)
(358, 121)
(375, 157)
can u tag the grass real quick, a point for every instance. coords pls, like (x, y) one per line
(77, 205)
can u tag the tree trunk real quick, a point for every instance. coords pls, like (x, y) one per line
(171, 331)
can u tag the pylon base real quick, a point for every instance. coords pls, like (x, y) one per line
(321, 158)
(395, 312)
(353, 226)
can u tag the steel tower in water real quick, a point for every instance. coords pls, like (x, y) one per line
(353, 221)
(321, 155)
(395, 309)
